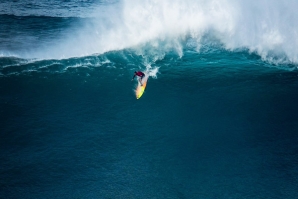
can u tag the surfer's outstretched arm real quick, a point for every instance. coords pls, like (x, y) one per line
(133, 77)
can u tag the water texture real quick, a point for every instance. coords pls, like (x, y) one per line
(218, 118)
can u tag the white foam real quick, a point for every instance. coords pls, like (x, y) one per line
(152, 72)
(267, 27)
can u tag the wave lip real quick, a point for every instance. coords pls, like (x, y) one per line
(267, 28)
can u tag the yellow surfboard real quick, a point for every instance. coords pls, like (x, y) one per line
(140, 89)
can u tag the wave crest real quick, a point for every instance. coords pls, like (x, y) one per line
(268, 28)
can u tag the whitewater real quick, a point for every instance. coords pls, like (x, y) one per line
(267, 28)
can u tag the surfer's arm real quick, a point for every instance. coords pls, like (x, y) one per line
(133, 77)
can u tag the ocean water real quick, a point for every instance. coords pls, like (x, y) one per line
(218, 119)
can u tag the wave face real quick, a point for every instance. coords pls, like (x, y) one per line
(208, 125)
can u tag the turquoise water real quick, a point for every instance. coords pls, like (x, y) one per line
(215, 121)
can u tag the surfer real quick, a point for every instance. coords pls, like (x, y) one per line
(140, 75)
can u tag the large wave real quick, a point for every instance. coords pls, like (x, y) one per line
(268, 28)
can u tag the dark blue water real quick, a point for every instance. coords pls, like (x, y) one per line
(213, 123)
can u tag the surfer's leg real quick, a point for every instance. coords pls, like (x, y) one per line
(140, 79)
